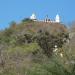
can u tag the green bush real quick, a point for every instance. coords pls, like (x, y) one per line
(26, 20)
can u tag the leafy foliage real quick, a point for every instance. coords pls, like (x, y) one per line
(26, 20)
(27, 49)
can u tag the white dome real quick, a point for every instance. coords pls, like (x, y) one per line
(33, 16)
(57, 19)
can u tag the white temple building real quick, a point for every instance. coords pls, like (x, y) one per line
(57, 18)
(33, 17)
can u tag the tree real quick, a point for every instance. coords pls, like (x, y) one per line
(48, 41)
(26, 20)
(45, 42)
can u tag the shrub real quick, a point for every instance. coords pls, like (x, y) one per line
(26, 20)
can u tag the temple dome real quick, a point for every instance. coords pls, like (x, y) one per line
(57, 18)
(33, 17)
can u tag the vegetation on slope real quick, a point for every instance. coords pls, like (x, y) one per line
(27, 48)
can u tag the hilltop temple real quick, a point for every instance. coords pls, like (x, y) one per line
(56, 20)
(33, 17)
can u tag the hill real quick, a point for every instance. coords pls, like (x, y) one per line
(28, 47)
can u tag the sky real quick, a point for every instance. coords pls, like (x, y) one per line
(16, 10)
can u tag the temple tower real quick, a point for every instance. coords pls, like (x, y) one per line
(57, 18)
(33, 17)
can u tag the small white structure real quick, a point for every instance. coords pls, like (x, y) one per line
(61, 54)
(57, 18)
(47, 20)
(55, 48)
(33, 17)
